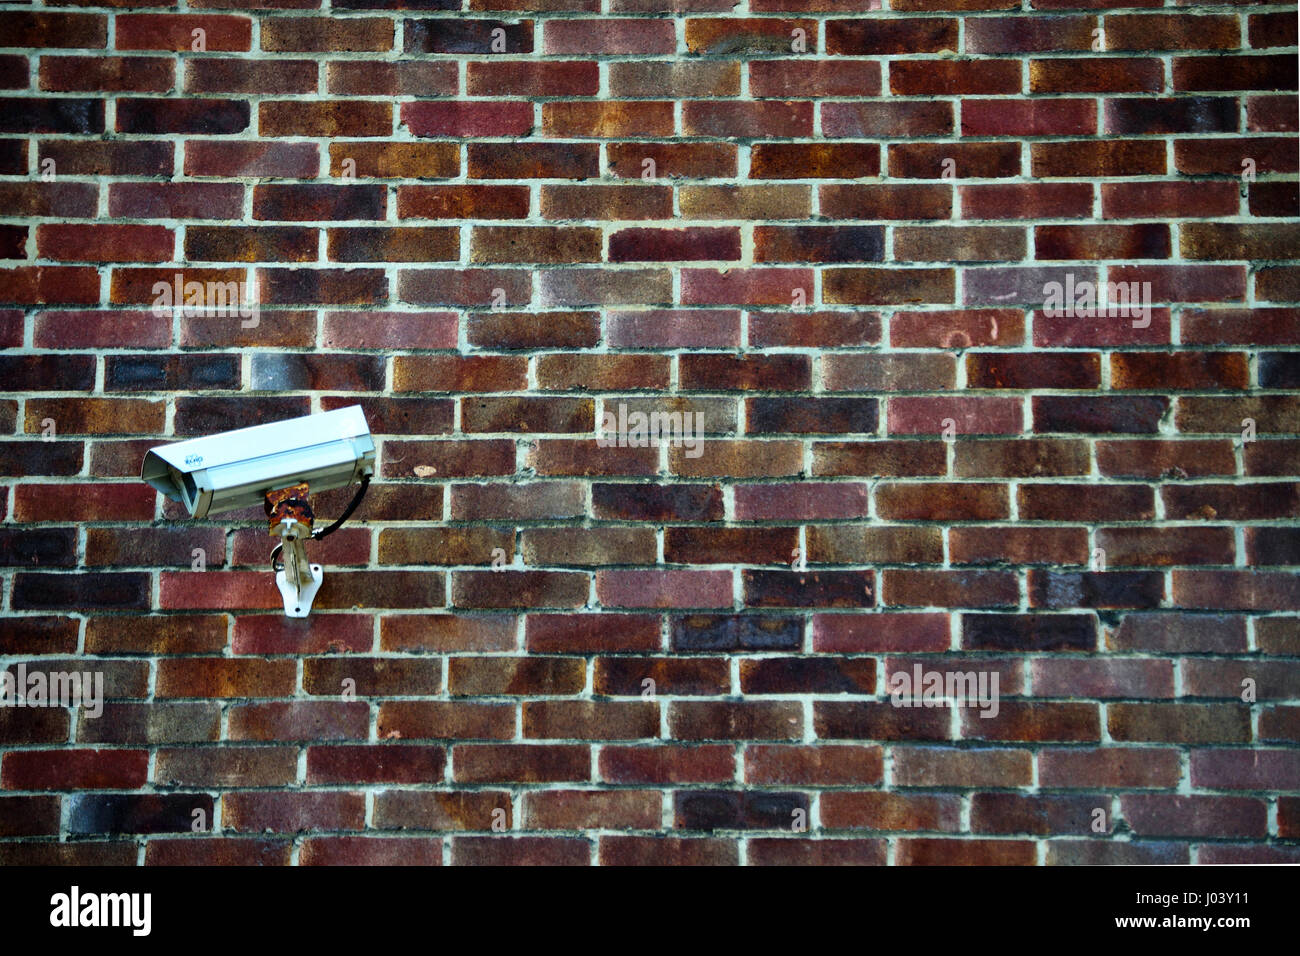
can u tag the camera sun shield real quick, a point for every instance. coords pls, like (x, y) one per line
(236, 469)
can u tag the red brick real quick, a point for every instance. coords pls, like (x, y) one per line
(50, 285)
(1251, 72)
(231, 75)
(407, 78)
(740, 36)
(903, 588)
(708, 763)
(1242, 770)
(367, 851)
(131, 74)
(464, 119)
(176, 200)
(218, 158)
(74, 770)
(1109, 767)
(746, 720)
(1057, 117)
(1225, 156)
(1190, 816)
(970, 416)
(520, 851)
(893, 458)
(50, 29)
(101, 329)
(664, 588)
(1109, 157)
(590, 720)
(671, 160)
(837, 589)
(634, 78)
(593, 809)
(744, 286)
(1017, 201)
(735, 120)
(83, 502)
(746, 202)
(806, 500)
(813, 161)
(777, 329)
(888, 286)
(1146, 241)
(1153, 459)
(540, 161)
(220, 677)
(1156, 31)
(288, 812)
(1096, 75)
(1046, 370)
(322, 34)
(1077, 331)
(300, 720)
(813, 79)
(922, 77)
(1271, 113)
(632, 676)
(523, 78)
(474, 35)
(333, 119)
(462, 202)
(1159, 199)
(387, 763)
(266, 634)
(667, 851)
(520, 763)
(609, 37)
(105, 243)
(966, 768)
(164, 31)
(518, 330)
(965, 160)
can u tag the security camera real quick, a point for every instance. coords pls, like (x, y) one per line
(236, 469)
(275, 465)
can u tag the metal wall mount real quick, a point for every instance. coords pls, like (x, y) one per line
(291, 517)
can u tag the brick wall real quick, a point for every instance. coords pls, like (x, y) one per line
(829, 230)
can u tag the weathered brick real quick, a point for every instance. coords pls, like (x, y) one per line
(630, 78)
(523, 628)
(521, 763)
(1096, 75)
(920, 77)
(55, 29)
(739, 36)
(624, 120)
(470, 35)
(321, 34)
(210, 116)
(230, 75)
(541, 78)
(74, 770)
(285, 812)
(735, 120)
(902, 588)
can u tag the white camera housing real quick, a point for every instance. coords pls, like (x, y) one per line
(236, 469)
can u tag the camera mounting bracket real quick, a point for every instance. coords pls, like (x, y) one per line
(291, 517)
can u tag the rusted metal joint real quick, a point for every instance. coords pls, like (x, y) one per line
(290, 517)
(290, 504)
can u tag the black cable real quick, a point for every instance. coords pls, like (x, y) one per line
(322, 532)
(347, 512)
